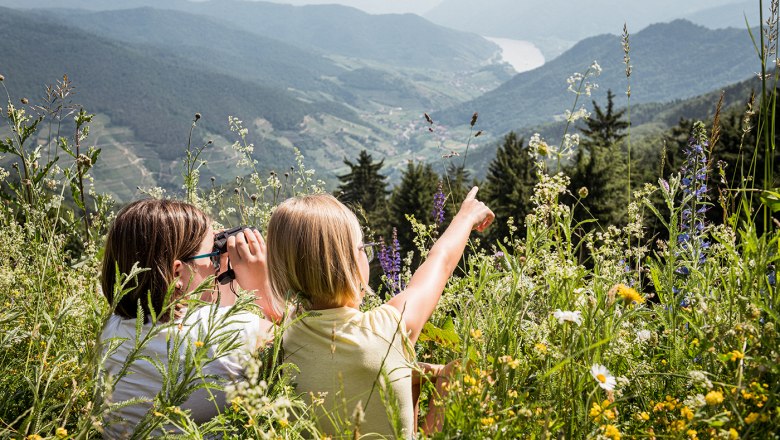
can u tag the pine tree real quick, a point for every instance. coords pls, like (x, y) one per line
(509, 186)
(365, 187)
(600, 165)
(414, 196)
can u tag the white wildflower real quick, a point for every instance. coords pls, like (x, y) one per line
(605, 379)
(643, 335)
(571, 316)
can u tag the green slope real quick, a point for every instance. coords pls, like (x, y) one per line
(399, 39)
(670, 61)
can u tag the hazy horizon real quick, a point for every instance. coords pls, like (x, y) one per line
(418, 7)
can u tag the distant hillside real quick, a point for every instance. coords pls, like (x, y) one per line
(154, 97)
(731, 15)
(552, 23)
(646, 119)
(210, 44)
(670, 61)
(405, 40)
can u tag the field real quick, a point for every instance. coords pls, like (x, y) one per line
(563, 328)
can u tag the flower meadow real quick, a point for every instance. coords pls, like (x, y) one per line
(559, 331)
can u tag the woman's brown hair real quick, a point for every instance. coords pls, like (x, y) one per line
(153, 233)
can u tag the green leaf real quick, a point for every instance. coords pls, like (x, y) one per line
(771, 199)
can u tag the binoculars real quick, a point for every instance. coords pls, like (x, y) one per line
(220, 245)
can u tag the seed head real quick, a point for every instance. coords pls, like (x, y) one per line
(428, 118)
(25, 101)
(583, 192)
(213, 179)
(474, 118)
(197, 116)
(479, 133)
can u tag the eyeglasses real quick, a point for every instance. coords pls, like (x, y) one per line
(368, 248)
(214, 256)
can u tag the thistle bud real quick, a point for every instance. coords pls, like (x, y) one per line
(583, 192)
(197, 116)
(25, 101)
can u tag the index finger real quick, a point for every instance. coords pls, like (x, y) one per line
(472, 194)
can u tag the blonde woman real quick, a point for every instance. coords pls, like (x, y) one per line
(175, 242)
(351, 362)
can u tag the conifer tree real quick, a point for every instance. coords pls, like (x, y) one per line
(509, 186)
(414, 196)
(366, 187)
(600, 166)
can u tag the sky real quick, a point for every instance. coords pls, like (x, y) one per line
(374, 6)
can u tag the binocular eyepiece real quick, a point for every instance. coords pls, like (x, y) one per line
(220, 245)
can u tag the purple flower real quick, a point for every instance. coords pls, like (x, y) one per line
(390, 260)
(438, 205)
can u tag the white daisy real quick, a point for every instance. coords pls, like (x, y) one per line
(603, 377)
(563, 316)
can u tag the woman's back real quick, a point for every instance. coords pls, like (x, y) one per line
(342, 352)
(145, 380)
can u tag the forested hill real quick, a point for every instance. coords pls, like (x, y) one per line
(153, 94)
(211, 44)
(401, 39)
(669, 61)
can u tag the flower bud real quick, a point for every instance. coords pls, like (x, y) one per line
(583, 192)
(197, 116)
(25, 101)
(543, 150)
(2, 78)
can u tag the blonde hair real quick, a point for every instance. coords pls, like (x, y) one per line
(154, 234)
(311, 253)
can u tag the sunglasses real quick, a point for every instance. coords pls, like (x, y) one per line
(213, 256)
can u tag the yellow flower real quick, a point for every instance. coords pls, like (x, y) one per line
(541, 348)
(611, 431)
(199, 344)
(34, 437)
(512, 393)
(487, 421)
(733, 434)
(476, 333)
(752, 417)
(686, 412)
(714, 398)
(283, 422)
(61, 432)
(735, 355)
(644, 416)
(692, 433)
(629, 294)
